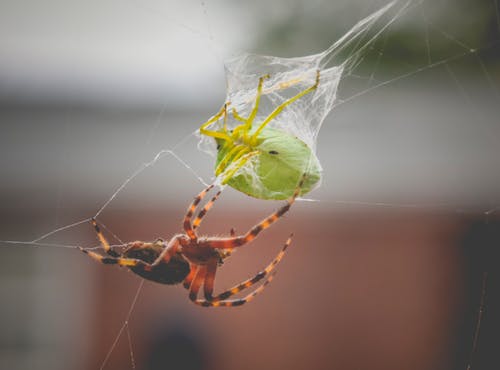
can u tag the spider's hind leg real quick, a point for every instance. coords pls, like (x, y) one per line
(221, 300)
(188, 280)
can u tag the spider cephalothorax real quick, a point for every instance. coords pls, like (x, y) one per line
(193, 260)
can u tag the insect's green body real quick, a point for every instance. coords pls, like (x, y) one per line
(277, 168)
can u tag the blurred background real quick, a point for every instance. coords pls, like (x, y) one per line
(386, 267)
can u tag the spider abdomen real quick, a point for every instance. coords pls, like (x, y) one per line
(170, 273)
(173, 272)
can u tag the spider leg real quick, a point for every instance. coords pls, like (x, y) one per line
(168, 251)
(238, 241)
(221, 300)
(187, 219)
(120, 261)
(208, 284)
(204, 210)
(282, 106)
(187, 281)
(103, 240)
(194, 288)
(236, 302)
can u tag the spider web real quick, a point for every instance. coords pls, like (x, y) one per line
(359, 81)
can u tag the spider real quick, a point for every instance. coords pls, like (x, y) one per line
(193, 260)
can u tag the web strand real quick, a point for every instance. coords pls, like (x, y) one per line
(458, 85)
(371, 79)
(412, 73)
(35, 244)
(488, 77)
(146, 165)
(130, 347)
(480, 313)
(427, 39)
(44, 236)
(123, 328)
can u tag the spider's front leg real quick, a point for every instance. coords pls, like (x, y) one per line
(103, 240)
(239, 241)
(204, 210)
(188, 228)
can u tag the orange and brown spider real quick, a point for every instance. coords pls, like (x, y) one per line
(193, 260)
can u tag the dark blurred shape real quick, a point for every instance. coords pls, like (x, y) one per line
(481, 241)
(176, 348)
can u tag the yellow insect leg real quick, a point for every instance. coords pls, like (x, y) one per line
(233, 155)
(229, 173)
(282, 106)
(220, 135)
(237, 129)
(237, 116)
(248, 125)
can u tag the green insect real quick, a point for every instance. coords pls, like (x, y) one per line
(261, 161)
